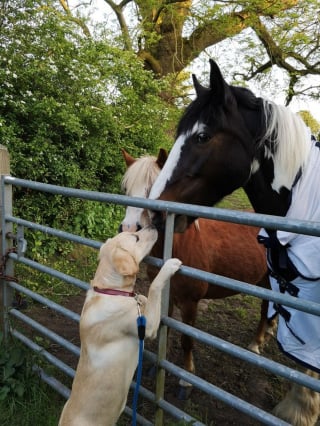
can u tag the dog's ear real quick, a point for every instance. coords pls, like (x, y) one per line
(124, 263)
(104, 249)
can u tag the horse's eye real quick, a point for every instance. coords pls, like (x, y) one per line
(202, 138)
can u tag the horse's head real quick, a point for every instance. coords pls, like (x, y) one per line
(140, 175)
(229, 138)
(215, 144)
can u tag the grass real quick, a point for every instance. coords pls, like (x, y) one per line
(238, 200)
(38, 404)
(38, 407)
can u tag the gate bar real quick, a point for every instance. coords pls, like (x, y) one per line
(50, 271)
(248, 218)
(53, 231)
(75, 350)
(41, 351)
(243, 287)
(244, 354)
(45, 301)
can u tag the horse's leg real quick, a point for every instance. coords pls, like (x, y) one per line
(188, 311)
(266, 329)
(300, 406)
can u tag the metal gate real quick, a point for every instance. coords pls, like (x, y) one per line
(162, 408)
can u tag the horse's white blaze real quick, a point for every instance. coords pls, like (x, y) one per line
(132, 220)
(168, 168)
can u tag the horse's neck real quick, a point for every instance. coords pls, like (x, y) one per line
(263, 198)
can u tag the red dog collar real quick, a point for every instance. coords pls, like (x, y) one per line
(113, 292)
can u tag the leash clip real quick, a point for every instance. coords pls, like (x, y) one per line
(138, 304)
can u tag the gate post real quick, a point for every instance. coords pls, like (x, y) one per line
(6, 293)
(163, 330)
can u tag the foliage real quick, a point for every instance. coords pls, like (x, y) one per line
(311, 122)
(67, 105)
(71, 259)
(15, 370)
(23, 398)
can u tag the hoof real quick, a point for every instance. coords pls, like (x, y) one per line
(184, 392)
(271, 331)
(254, 347)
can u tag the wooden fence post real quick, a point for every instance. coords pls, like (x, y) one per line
(6, 293)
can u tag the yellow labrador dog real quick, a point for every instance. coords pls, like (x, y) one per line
(108, 330)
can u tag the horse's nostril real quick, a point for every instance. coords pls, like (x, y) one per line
(138, 226)
(120, 229)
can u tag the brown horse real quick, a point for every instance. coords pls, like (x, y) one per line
(222, 248)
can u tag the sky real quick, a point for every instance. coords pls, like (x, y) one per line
(101, 12)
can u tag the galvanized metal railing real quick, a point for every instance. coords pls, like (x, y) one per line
(162, 406)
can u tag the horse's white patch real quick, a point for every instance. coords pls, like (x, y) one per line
(255, 165)
(198, 128)
(168, 168)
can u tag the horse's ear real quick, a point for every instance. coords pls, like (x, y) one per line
(162, 157)
(127, 158)
(218, 85)
(200, 90)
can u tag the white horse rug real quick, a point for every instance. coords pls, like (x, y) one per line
(299, 332)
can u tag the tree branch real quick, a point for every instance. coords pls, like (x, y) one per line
(77, 21)
(122, 22)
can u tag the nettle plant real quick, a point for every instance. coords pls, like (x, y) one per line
(16, 375)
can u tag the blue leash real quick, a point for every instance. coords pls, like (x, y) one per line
(141, 323)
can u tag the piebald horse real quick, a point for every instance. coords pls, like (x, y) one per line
(222, 248)
(229, 138)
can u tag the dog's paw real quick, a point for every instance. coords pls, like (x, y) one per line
(171, 266)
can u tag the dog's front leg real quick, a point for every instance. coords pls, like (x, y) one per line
(153, 306)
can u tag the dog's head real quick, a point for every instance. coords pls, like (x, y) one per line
(120, 256)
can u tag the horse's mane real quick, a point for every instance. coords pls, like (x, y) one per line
(289, 139)
(142, 173)
(285, 135)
